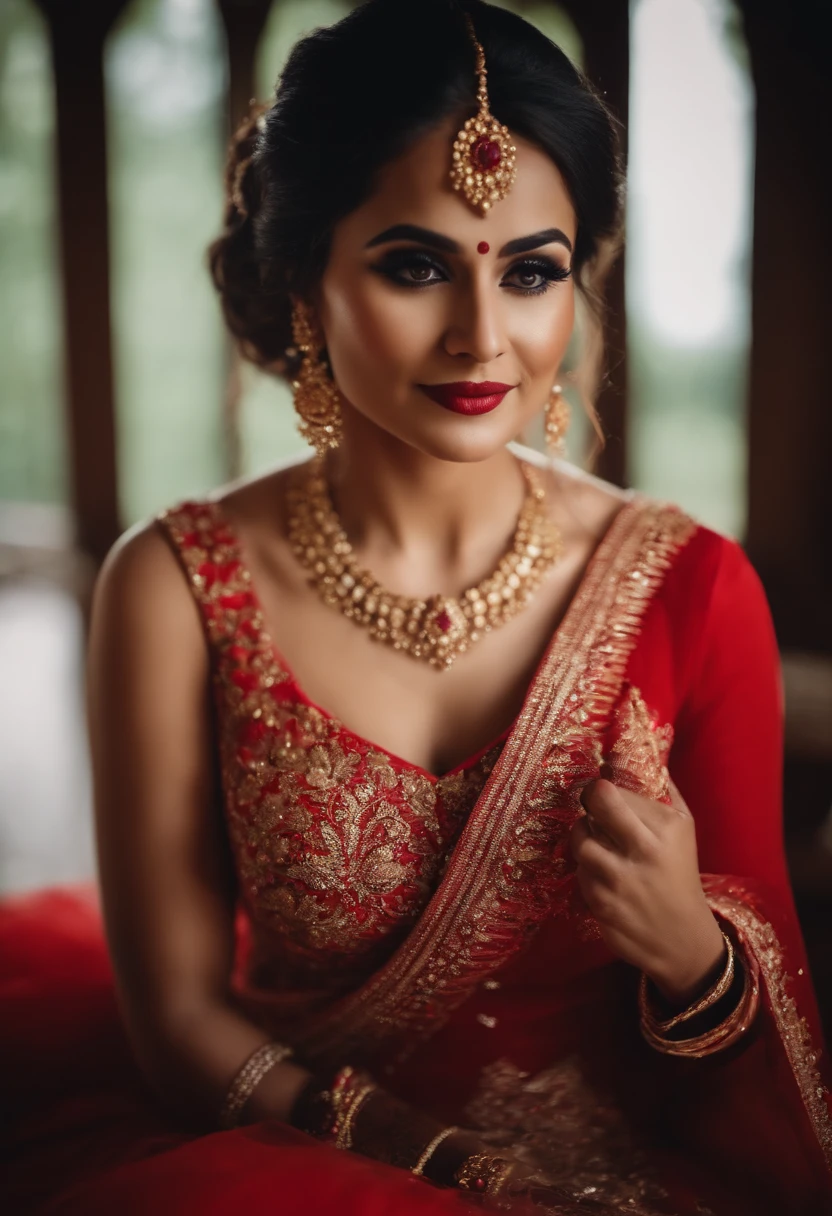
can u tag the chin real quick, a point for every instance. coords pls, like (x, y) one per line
(469, 442)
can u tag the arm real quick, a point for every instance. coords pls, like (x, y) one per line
(758, 1114)
(728, 754)
(166, 875)
(166, 879)
(726, 761)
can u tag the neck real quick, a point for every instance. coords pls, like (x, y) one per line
(435, 525)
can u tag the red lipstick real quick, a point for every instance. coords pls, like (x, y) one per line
(468, 396)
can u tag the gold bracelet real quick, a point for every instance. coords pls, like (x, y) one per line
(248, 1078)
(728, 1032)
(714, 994)
(430, 1149)
(344, 1137)
(349, 1091)
(483, 1173)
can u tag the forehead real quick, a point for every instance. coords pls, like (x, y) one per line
(416, 188)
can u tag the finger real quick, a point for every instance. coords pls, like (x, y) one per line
(676, 800)
(578, 837)
(654, 815)
(657, 816)
(590, 853)
(611, 812)
(590, 827)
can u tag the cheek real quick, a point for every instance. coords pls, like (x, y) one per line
(542, 334)
(371, 329)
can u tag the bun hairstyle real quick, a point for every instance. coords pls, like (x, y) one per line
(355, 95)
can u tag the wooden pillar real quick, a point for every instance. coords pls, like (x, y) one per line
(77, 31)
(604, 27)
(790, 416)
(244, 21)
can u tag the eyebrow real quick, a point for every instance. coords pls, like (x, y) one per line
(444, 244)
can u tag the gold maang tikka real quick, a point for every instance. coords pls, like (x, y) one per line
(484, 162)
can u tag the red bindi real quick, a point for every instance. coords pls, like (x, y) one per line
(483, 247)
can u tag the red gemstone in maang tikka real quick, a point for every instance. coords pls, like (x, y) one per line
(485, 154)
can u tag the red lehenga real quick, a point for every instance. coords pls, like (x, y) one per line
(431, 928)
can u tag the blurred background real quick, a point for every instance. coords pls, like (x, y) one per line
(120, 393)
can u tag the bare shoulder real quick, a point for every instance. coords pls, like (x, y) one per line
(257, 500)
(583, 504)
(142, 589)
(255, 508)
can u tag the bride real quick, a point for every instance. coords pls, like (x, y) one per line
(437, 784)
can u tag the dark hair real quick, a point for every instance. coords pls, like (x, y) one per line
(356, 94)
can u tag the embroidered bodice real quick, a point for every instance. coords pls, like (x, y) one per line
(338, 844)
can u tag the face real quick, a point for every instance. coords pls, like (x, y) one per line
(413, 310)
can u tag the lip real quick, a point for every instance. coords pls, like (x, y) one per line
(468, 396)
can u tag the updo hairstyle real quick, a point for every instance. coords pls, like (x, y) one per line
(355, 95)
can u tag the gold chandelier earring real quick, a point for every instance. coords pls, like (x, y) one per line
(556, 422)
(316, 395)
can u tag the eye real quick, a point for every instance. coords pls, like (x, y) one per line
(418, 274)
(411, 268)
(533, 276)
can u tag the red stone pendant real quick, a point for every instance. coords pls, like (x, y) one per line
(443, 621)
(485, 154)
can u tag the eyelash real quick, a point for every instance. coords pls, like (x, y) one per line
(395, 263)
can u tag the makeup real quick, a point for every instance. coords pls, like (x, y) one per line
(468, 396)
(483, 247)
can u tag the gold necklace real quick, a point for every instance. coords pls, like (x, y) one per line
(441, 628)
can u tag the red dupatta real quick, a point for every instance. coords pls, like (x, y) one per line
(510, 869)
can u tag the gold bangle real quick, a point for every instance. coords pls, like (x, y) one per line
(349, 1091)
(728, 1032)
(248, 1078)
(714, 994)
(483, 1174)
(343, 1139)
(430, 1149)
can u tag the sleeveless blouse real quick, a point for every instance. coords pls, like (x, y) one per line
(338, 844)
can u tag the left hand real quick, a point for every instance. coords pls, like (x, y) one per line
(639, 874)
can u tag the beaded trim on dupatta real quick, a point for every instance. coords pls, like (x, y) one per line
(509, 866)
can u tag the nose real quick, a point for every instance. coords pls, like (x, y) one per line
(476, 330)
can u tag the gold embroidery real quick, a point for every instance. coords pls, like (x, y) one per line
(460, 790)
(639, 751)
(507, 869)
(727, 898)
(557, 1122)
(337, 850)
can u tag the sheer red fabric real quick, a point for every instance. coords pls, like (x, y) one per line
(539, 1046)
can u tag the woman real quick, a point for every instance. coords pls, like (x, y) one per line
(444, 941)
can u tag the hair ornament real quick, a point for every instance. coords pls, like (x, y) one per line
(484, 163)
